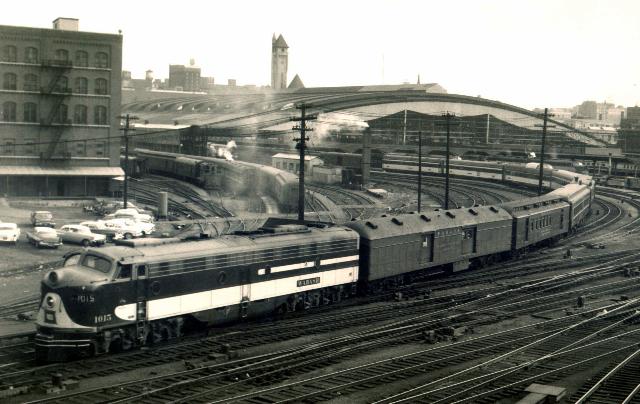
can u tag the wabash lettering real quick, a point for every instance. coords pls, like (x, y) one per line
(307, 282)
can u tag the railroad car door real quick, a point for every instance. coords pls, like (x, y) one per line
(426, 250)
(141, 277)
(468, 240)
(245, 282)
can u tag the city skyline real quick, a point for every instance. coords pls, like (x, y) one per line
(530, 54)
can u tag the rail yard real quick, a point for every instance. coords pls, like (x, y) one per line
(556, 311)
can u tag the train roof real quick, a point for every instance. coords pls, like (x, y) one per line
(532, 203)
(570, 191)
(411, 223)
(224, 245)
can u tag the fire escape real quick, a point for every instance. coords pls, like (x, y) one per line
(55, 93)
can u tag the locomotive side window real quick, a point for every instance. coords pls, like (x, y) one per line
(425, 240)
(142, 271)
(124, 272)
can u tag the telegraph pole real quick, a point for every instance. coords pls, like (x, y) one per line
(301, 146)
(544, 137)
(448, 117)
(419, 166)
(126, 129)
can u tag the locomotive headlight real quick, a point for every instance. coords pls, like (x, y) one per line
(50, 302)
(53, 277)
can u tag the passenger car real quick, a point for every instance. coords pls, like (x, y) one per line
(44, 237)
(75, 233)
(42, 218)
(9, 233)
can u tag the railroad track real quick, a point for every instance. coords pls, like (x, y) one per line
(413, 324)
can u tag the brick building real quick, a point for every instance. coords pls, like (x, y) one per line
(59, 110)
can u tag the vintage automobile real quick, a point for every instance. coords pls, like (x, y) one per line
(42, 218)
(78, 234)
(144, 221)
(9, 233)
(44, 237)
(104, 227)
(128, 227)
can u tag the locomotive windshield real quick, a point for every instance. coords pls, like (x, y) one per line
(98, 263)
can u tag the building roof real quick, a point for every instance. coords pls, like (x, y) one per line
(62, 171)
(280, 42)
(296, 83)
(292, 156)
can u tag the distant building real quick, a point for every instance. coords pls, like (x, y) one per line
(296, 83)
(279, 62)
(630, 131)
(588, 109)
(206, 83)
(184, 78)
(60, 106)
(291, 162)
(231, 82)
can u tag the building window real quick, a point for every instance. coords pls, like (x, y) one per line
(81, 149)
(82, 59)
(80, 114)
(30, 82)
(100, 115)
(29, 147)
(62, 55)
(31, 55)
(99, 148)
(9, 146)
(62, 85)
(101, 87)
(10, 81)
(102, 60)
(62, 114)
(30, 112)
(10, 53)
(81, 85)
(9, 111)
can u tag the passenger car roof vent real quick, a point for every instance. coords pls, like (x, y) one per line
(451, 215)
(372, 225)
(425, 218)
(473, 212)
(397, 221)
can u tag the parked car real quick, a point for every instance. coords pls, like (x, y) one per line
(128, 227)
(9, 233)
(102, 227)
(44, 237)
(145, 222)
(75, 233)
(42, 218)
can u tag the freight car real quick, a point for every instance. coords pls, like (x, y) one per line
(126, 296)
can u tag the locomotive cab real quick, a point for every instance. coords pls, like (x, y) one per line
(89, 292)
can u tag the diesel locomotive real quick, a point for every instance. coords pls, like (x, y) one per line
(114, 298)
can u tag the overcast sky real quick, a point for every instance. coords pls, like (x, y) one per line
(533, 53)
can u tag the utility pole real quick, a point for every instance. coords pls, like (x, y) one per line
(301, 146)
(448, 117)
(419, 166)
(544, 138)
(126, 129)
